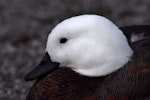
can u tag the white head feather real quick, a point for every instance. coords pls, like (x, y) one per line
(94, 47)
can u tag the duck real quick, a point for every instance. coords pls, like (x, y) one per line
(88, 57)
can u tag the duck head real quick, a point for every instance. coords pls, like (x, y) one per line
(91, 45)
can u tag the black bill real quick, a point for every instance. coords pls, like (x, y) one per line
(43, 68)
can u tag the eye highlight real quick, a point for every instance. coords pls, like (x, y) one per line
(63, 40)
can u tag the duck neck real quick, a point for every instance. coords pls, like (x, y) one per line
(66, 82)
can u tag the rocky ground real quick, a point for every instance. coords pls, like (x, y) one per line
(25, 24)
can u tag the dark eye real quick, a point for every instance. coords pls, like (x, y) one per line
(63, 40)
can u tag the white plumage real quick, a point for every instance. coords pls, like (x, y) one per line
(94, 45)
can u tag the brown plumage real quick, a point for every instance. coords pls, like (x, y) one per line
(138, 31)
(65, 84)
(132, 82)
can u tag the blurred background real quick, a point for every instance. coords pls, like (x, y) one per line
(25, 25)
